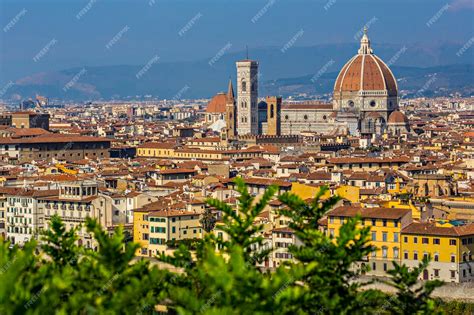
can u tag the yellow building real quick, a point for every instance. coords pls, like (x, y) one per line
(141, 230)
(171, 225)
(451, 250)
(385, 225)
(309, 191)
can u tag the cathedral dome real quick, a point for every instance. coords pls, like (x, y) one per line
(397, 117)
(365, 72)
(217, 104)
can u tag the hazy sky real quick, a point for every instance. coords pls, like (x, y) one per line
(43, 35)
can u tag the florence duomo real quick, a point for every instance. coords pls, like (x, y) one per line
(364, 103)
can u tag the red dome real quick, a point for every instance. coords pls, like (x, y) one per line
(366, 72)
(397, 117)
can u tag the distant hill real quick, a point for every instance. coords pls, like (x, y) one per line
(281, 73)
(431, 81)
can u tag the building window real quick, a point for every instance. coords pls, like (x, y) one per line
(395, 252)
(374, 236)
(405, 255)
(384, 222)
(372, 103)
(305, 117)
(436, 241)
(384, 252)
(424, 240)
(452, 242)
(244, 86)
(384, 266)
(436, 273)
(453, 258)
(415, 240)
(374, 266)
(384, 236)
(374, 222)
(395, 237)
(415, 256)
(436, 257)
(405, 239)
(453, 274)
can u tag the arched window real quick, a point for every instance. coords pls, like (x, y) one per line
(372, 103)
(272, 109)
(244, 86)
(305, 117)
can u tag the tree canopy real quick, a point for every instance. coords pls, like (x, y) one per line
(216, 276)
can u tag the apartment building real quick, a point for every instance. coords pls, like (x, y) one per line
(24, 218)
(154, 229)
(385, 224)
(451, 249)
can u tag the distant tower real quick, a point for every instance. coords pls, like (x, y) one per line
(247, 97)
(230, 111)
(273, 115)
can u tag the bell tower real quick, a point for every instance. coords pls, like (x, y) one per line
(230, 112)
(273, 115)
(247, 97)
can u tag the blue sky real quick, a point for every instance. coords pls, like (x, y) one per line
(193, 29)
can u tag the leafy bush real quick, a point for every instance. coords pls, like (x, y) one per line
(63, 278)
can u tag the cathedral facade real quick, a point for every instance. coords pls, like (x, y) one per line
(365, 102)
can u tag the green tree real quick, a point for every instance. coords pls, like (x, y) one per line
(412, 296)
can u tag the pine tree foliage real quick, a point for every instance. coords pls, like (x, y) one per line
(219, 276)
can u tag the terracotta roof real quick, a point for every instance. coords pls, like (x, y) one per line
(217, 104)
(397, 117)
(376, 75)
(372, 213)
(54, 138)
(432, 229)
(157, 145)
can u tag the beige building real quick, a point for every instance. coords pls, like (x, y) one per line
(172, 225)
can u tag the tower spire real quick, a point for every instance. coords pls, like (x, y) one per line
(365, 48)
(230, 92)
(247, 51)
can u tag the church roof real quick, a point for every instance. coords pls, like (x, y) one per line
(365, 71)
(397, 117)
(217, 104)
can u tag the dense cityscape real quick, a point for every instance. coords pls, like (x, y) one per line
(176, 176)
